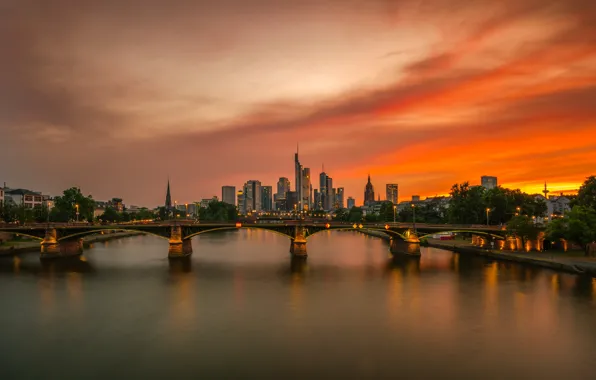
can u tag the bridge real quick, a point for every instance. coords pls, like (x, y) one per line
(60, 240)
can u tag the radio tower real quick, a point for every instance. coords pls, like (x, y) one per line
(545, 191)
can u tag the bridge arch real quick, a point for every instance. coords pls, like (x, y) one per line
(238, 228)
(349, 228)
(101, 230)
(40, 238)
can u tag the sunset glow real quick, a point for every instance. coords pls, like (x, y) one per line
(117, 96)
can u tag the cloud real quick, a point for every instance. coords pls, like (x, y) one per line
(115, 96)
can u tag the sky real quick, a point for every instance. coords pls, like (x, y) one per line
(117, 96)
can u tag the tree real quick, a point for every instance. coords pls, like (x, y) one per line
(467, 204)
(523, 227)
(355, 214)
(586, 196)
(110, 215)
(341, 214)
(219, 212)
(65, 206)
(386, 212)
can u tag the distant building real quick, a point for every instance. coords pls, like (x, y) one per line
(351, 202)
(1, 196)
(415, 198)
(369, 193)
(306, 189)
(283, 186)
(204, 202)
(329, 195)
(291, 201)
(27, 198)
(339, 197)
(267, 198)
(392, 192)
(116, 204)
(322, 202)
(252, 196)
(240, 202)
(488, 182)
(228, 195)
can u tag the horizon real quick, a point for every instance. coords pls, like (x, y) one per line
(115, 97)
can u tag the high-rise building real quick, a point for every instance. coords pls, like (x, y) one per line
(339, 197)
(241, 206)
(168, 203)
(252, 196)
(283, 186)
(351, 202)
(369, 193)
(317, 200)
(292, 201)
(228, 195)
(488, 182)
(298, 178)
(392, 192)
(322, 203)
(267, 198)
(306, 188)
(330, 195)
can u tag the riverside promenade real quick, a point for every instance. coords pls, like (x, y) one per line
(571, 262)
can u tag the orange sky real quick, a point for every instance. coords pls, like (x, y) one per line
(116, 96)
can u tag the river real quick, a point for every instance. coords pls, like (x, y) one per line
(241, 308)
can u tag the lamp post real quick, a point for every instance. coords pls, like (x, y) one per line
(186, 209)
(48, 205)
(77, 207)
(414, 216)
(394, 209)
(174, 211)
(518, 211)
(487, 212)
(295, 214)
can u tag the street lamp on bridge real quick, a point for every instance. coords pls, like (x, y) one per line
(77, 207)
(394, 209)
(487, 212)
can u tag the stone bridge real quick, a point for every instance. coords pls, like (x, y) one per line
(58, 240)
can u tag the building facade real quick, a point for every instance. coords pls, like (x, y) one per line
(392, 192)
(488, 182)
(27, 198)
(306, 189)
(339, 196)
(240, 202)
(228, 195)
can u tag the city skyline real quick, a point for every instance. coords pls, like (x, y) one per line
(115, 98)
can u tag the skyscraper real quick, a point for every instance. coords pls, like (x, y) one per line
(283, 186)
(369, 193)
(330, 195)
(298, 178)
(322, 190)
(305, 184)
(168, 203)
(241, 206)
(339, 196)
(351, 202)
(392, 192)
(228, 194)
(488, 182)
(267, 198)
(252, 196)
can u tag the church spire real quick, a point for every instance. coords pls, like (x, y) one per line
(168, 197)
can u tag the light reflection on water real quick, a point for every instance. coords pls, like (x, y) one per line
(241, 307)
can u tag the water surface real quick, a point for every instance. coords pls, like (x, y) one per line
(241, 308)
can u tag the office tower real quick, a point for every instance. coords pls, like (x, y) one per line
(392, 192)
(323, 190)
(305, 184)
(488, 182)
(351, 203)
(241, 206)
(317, 200)
(267, 198)
(339, 197)
(369, 193)
(228, 194)
(283, 186)
(292, 201)
(329, 197)
(252, 196)
(298, 177)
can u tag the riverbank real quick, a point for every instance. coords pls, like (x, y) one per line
(567, 262)
(33, 246)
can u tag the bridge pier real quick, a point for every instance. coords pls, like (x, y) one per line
(178, 247)
(410, 247)
(298, 244)
(65, 248)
